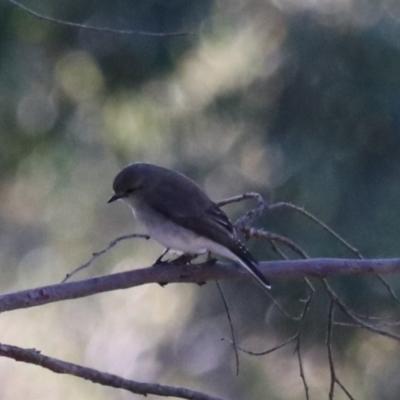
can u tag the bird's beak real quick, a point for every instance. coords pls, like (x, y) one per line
(114, 197)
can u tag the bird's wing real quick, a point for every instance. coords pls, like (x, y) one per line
(212, 223)
(204, 218)
(184, 203)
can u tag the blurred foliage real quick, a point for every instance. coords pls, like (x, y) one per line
(296, 99)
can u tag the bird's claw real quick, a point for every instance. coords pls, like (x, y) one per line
(183, 259)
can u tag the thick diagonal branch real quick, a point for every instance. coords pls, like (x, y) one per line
(33, 356)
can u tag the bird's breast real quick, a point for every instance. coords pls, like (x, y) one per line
(167, 232)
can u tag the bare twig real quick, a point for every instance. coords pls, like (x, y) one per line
(353, 317)
(264, 352)
(388, 287)
(335, 235)
(95, 28)
(32, 356)
(296, 337)
(329, 347)
(240, 197)
(378, 325)
(278, 251)
(102, 251)
(251, 215)
(298, 343)
(318, 221)
(281, 308)
(273, 237)
(307, 302)
(370, 317)
(345, 390)
(277, 238)
(334, 378)
(228, 314)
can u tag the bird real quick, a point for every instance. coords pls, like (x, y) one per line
(179, 215)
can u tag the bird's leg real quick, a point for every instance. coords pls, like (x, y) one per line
(182, 259)
(185, 258)
(210, 259)
(159, 259)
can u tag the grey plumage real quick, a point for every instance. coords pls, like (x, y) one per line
(179, 215)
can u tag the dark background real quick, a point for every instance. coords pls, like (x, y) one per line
(297, 100)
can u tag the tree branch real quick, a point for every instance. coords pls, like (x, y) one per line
(32, 356)
(96, 28)
(97, 254)
(209, 271)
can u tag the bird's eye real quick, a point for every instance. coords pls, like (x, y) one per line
(133, 190)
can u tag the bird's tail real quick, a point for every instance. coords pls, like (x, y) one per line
(250, 263)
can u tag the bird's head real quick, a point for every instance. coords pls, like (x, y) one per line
(129, 182)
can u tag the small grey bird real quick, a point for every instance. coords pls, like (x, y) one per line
(179, 215)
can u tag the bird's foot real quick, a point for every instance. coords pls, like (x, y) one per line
(183, 259)
(160, 260)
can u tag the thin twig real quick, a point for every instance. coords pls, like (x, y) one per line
(278, 251)
(309, 284)
(388, 287)
(379, 325)
(268, 236)
(370, 317)
(273, 237)
(281, 309)
(319, 222)
(251, 215)
(228, 314)
(298, 344)
(294, 247)
(240, 197)
(329, 347)
(265, 352)
(345, 390)
(337, 236)
(352, 316)
(334, 378)
(104, 250)
(95, 28)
